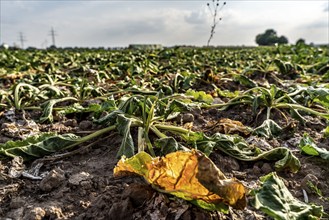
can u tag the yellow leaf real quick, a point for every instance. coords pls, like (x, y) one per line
(188, 175)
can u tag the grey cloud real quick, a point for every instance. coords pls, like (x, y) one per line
(196, 18)
(137, 27)
(319, 24)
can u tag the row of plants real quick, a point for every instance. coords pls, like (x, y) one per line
(141, 93)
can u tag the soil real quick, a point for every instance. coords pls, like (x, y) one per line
(80, 184)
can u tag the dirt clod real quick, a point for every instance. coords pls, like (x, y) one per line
(85, 125)
(37, 213)
(17, 167)
(309, 179)
(78, 178)
(71, 123)
(138, 193)
(188, 117)
(266, 168)
(52, 180)
(17, 202)
(121, 210)
(185, 118)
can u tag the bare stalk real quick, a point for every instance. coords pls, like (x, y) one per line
(214, 10)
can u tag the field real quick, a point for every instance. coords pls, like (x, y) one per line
(173, 133)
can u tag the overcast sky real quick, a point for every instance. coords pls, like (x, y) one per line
(119, 23)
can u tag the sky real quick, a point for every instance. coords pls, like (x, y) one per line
(108, 23)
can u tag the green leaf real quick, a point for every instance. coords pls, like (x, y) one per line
(38, 146)
(296, 115)
(76, 107)
(127, 144)
(274, 199)
(285, 160)
(268, 129)
(309, 147)
(237, 147)
(200, 96)
(256, 103)
(183, 82)
(47, 113)
(244, 80)
(109, 119)
(326, 132)
(281, 66)
(132, 105)
(227, 93)
(109, 105)
(320, 95)
(233, 145)
(175, 107)
(168, 145)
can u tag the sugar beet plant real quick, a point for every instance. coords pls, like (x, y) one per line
(139, 95)
(274, 98)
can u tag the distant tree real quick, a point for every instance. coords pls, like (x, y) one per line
(300, 41)
(282, 40)
(270, 38)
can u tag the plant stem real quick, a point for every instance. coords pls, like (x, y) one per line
(173, 128)
(303, 108)
(157, 132)
(268, 113)
(91, 136)
(225, 104)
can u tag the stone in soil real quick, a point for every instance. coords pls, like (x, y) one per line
(84, 125)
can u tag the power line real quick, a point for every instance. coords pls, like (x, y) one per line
(22, 39)
(53, 34)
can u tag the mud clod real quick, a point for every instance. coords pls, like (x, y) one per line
(52, 180)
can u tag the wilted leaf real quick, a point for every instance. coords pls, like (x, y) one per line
(187, 175)
(38, 146)
(285, 159)
(133, 105)
(309, 147)
(93, 107)
(232, 145)
(320, 95)
(232, 191)
(175, 107)
(109, 119)
(127, 144)
(268, 129)
(237, 147)
(243, 80)
(326, 132)
(168, 145)
(296, 115)
(47, 113)
(274, 199)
